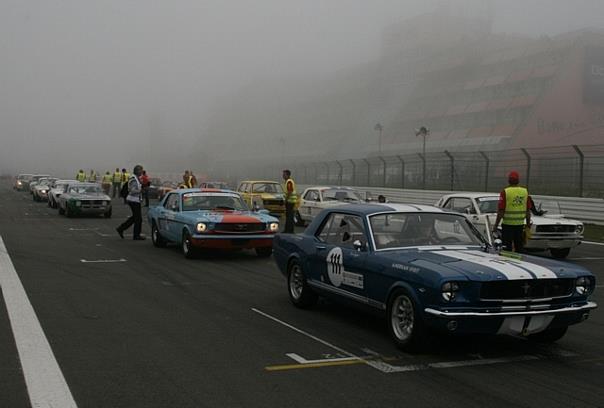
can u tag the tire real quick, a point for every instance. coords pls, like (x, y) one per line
(560, 253)
(404, 323)
(300, 294)
(61, 211)
(49, 204)
(108, 214)
(298, 220)
(186, 246)
(549, 335)
(68, 212)
(264, 252)
(156, 237)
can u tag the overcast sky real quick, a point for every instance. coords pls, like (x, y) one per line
(90, 83)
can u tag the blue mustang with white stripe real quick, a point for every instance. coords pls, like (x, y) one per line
(430, 270)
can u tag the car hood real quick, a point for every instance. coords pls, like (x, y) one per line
(235, 217)
(89, 197)
(477, 265)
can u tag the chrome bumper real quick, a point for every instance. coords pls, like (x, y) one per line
(528, 312)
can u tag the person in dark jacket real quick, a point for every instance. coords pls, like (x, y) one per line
(134, 199)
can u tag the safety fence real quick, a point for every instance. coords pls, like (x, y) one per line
(576, 171)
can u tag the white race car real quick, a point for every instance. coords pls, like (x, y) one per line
(550, 230)
(314, 199)
(58, 188)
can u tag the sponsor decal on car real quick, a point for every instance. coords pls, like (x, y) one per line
(338, 275)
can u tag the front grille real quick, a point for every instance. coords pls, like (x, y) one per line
(240, 228)
(526, 289)
(273, 202)
(555, 228)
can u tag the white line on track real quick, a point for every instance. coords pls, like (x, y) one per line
(45, 383)
(104, 260)
(389, 368)
(593, 243)
(587, 258)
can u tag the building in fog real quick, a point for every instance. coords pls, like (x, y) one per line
(473, 88)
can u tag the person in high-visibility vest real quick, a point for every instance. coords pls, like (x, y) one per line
(116, 181)
(92, 176)
(106, 182)
(291, 199)
(81, 176)
(513, 208)
(187, 180)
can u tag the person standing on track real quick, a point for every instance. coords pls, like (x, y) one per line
(117, 182)
(291, 199)
(513, 208)
(146, 183)
(134, 199)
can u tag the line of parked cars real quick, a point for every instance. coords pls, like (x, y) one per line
(427, 269)
(69, 197)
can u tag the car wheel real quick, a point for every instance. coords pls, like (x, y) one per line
(560, 253)
(156, 237)
(404, 324)
(264, 252)
(300, 294)
(108, 214)
(188, 250)
(61, 211)
(298, 220)
(68, 212)
(49, 204)
(549, 335)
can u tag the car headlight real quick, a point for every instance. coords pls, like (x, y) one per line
(201, 227)
(19, 183)
(273, 226)
(449, 291)
(583, 285)
(43, 191)
(579, 229)
(78, 203)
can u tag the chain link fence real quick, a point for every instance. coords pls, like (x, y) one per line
(576, 171)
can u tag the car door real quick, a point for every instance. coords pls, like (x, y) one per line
(336, 263)
(308, 202)
(166, 216)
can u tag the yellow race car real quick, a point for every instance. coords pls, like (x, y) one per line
(267, 195)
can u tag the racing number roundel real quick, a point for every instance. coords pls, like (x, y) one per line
(335, 266)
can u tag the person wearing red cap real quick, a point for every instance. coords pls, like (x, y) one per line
(513, 208)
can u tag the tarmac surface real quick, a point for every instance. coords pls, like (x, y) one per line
(131, 325)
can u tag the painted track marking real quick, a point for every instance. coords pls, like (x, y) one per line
(593, 243)
(45, 383)
(104, 260)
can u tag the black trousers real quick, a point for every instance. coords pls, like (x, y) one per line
(146, 196)
(512, 234)
(289, 218)
(136, 218)
(116, 189)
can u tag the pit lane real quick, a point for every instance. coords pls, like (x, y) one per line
(139, 326)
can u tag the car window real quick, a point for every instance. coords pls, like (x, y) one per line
(311, 195)
(396, 230)
(461, 205)
(342, 230)
(272, 188)
(242, 187)
(488, 205)
(215, 202)
(85, 190)
(171, 202)
(335, 194)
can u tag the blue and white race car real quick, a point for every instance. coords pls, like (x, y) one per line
(430, 270)
(211, 219)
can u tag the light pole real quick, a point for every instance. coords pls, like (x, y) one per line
(378, 126)
(423, 131)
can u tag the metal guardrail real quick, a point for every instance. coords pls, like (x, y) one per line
(588, 210)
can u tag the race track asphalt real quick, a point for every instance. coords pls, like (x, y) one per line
(157, 330)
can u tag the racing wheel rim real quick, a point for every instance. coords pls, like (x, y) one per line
(154, 234)
(296, 281)
(402, 317)
(186, 244)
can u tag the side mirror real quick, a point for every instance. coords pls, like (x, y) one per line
(359, 246)
(498, 244)
(467, 210)
(174, 208)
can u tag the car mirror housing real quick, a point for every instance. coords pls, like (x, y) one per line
(359, 246)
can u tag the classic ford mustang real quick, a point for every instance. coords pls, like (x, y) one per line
(211, 219)
(430, 270)
(84, 199)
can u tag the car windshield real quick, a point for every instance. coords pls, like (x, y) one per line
(273, 188)
(487, 205)
(212, 202)
(85, 190)
(397, 230)
(335, 194)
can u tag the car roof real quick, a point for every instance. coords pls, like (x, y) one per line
(204, 190)
(370, 209)
(260, 181)
(470, 195)
(329, 188)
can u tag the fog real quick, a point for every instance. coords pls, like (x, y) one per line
(105, 84)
